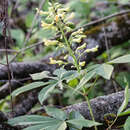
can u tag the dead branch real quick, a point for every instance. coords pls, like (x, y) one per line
(100, 106)
(25, 106)
(23, 69)
(4, 90)
(117, 32)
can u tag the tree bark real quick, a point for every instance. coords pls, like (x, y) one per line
(100, 106)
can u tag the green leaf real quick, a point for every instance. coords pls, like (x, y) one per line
(126, 112)
(127, 124)
(18, 35)
(85, 79)
(35, 127)
(60, 85)
(92, 67)
(28, 87)
(68, 74)
(83, 122)
(29, 19)
(55, 125)
(122, 59)
(48, 34)
(75, 75)
(56, 113)
(120, 79)
(73, 83)
(63, 126)
(38, 122)
(41, 75)
(104, 70)
(44, 93)
(30, 120)
(124, 1)
(75, 115)
(58, 126)
(59, 72)
(126, 100)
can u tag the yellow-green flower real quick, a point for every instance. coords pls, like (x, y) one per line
(60, 62)
(41, 12)
(52, 61)
(92, 49)
(65, 57)
(82, 63)
(50, 42)
(46, 25)
(81, 47)
(61, 10)
(79, 31)
(95, 49)
(78, 40)
(61, 44)
(71, 16)
(77, 35)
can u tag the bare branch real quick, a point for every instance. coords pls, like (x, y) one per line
(100, 106)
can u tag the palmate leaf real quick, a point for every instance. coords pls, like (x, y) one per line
(62, 75)
(69, 74)
(28, 87)
(122, 59)
(83, 122)
(56, 113)
(44, 93)
(84, 80)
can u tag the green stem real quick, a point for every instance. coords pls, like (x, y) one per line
(69, 49)
(93, 84)
(78, 68)
(89, 106)
(58, 24)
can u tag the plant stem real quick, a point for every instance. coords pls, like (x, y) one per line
(58, 24)
(78, 68)
(93, 84)
(89, 106)
(70, 50)
(112, 123)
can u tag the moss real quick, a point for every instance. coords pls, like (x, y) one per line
(120, 21)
